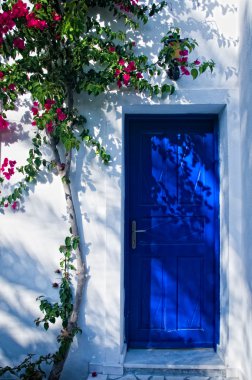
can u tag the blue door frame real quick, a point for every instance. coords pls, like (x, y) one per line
(171, 231)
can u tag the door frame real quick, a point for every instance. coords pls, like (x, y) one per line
(184, 116)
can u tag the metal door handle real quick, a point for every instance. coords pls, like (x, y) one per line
(134, 231)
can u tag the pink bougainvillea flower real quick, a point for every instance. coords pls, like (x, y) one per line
(38, 6)
(5, 162)
(119, 83)
(12, 87)
(126, 79)
(1, 75)
(33, 22)
(6, 204)
(183, 53)
(117, 72)
(60, 114)
(132, 65)
(12, 163)
(182, 60)
(36, 104)
(34, 111)
(34, 123)
(48, 104)
(14, 205)
(19, 9)
(49, 127)
(197, 62)
(121, 62)
(19, 43)
(7, 175)
(184, 70)
(6, 22)
(111, 49)
(42, 24)
(56, 16)
(3, 123)
(139, 75)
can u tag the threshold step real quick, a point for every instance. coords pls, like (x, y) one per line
(204, 363)
(146, 377)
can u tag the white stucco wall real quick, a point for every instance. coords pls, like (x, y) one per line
(30, 238)
(245, 75)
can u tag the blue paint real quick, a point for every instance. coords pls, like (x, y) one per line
(172, 276)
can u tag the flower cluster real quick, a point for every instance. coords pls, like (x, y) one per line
(7, 18)
(20, 10)
(183, 60)
(34, 22)
(124, 72)
(126, 8)
(50, 115)
(3, 123)
(7, 168)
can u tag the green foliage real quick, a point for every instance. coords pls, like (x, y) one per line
(29, 368)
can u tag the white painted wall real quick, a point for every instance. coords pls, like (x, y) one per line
(30, 238)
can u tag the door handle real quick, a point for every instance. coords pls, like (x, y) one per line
(134, 231)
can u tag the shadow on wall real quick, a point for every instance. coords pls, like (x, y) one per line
(83, 180)
(22, 279)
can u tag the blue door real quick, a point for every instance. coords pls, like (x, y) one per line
(171, 232)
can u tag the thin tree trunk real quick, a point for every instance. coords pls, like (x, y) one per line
(64, 171)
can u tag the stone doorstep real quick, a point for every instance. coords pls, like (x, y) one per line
(150, 377)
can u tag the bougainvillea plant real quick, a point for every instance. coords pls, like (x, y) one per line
(46, 47)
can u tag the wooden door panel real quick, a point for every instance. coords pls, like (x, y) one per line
(171, 192)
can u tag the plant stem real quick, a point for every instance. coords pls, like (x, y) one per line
(80, 265)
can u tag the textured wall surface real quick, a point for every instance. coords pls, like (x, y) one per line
(30, 238)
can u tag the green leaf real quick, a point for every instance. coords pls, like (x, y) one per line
(68, 242)
(194, 73)
(46, 326)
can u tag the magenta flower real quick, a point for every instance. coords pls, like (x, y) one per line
(182, 60)
(35, 111)
(183, 53)
(38, 6)
(48, 104)
(197, 62)
(19, 43)
(60, 114)
(121, 62)
(132, 65)
(117, 72)
(14, 205)
(12, 87)
(119, 83)
(185, 71)
(56, 16)
(36, 104)
(139, 75)
(111, 49)
(126, 79)
(3, 123)
(1, 75)
(19, 9)
(49, 127)
(12, 163)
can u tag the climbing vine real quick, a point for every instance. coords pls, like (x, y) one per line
(47, 47)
